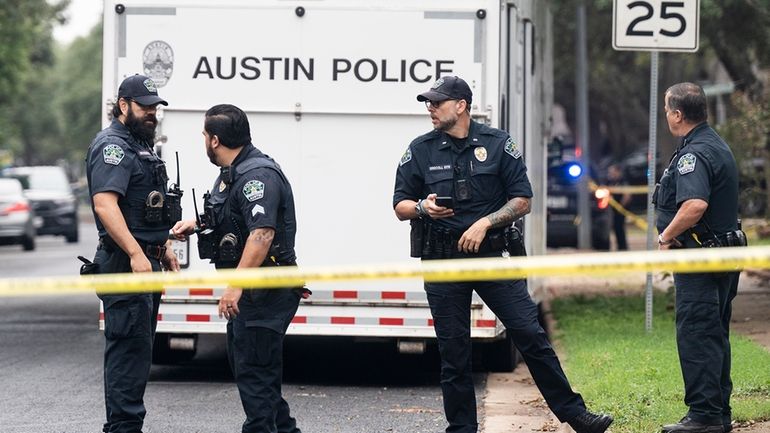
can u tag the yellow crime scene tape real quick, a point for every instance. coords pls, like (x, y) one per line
(690, 260)
(640, 189)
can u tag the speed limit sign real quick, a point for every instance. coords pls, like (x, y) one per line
(656, 25)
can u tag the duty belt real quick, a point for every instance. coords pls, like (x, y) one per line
(150, 250)
(735, 238)
(441, 243)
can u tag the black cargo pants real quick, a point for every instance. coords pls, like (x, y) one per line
(255, 350)
(703, 312)
(129, 329)
(511, 303)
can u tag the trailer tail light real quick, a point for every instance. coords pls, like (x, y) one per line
(15, 207)
(602, 198)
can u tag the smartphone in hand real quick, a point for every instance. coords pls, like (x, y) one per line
(446, 202)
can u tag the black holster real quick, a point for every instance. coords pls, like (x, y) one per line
(88, 267)
(514, 241)
(416, 237)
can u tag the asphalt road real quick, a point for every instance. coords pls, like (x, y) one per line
(51, 370)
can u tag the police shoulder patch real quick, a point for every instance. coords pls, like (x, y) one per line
(686, 163)
(113, 154)
(254, 190)
(406, 157)
(512, 149)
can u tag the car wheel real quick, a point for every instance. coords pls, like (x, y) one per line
(72, 237)
(28, 243)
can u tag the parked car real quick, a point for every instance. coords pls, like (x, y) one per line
(52, 199)
(16, 216)
(564, 175)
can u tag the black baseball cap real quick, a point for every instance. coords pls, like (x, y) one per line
(447, 88)
(141, 89)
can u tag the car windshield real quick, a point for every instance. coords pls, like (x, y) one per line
(42, 178)
(9, 187)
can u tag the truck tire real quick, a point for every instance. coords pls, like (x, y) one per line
(163, 354)
(500, 356)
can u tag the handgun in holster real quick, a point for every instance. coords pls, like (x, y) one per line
(416, 237)
(88, 267)
(515, 242)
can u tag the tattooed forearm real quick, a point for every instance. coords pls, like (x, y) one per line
(262, 236)
(516, 208)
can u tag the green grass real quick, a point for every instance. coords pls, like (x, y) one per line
(635, 376)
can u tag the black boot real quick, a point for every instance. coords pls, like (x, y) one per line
(588, 422)
(689, 425)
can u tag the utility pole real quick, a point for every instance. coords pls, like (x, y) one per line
(583, 134)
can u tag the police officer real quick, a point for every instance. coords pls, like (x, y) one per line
(127, 182)
(481, 173)
(249, 222)
(697, 206)
(615, 178)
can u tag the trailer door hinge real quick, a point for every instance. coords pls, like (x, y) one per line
(298, 111)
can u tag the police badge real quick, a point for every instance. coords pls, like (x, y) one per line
(254, 190)
(113, 154)
(511, 149)
(158, 59)
(406, 157)
(480, 153)
(686, 163)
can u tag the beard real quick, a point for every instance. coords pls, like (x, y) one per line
(446, 124)
(143, 129)
(210, 153)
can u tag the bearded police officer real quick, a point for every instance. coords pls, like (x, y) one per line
(462, 186)
(697, 206)
(249, 222)
(127, 182)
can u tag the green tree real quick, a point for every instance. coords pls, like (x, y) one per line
(78, 97)
(26, 49)
(734, 33)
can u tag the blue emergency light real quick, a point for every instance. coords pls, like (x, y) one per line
(574, 170)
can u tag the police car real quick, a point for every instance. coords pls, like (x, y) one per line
(564, 176)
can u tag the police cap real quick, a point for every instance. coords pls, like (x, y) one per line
(444, 88)
(141, 89)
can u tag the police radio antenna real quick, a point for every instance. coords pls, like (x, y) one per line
(176, 155)
(195, 207)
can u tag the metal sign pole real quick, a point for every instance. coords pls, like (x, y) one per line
(651, 166)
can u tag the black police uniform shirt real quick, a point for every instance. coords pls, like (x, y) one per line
(481, 173)
(117, 162)
(702, 168)
(261, 198)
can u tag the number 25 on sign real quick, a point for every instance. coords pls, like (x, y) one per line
(656, 25)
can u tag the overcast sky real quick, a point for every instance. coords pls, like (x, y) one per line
(82, 16)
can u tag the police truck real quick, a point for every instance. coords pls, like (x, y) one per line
(330, 87)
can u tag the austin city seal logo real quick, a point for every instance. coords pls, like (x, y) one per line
(158, 59)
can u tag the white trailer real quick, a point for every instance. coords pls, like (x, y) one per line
(329, 87)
